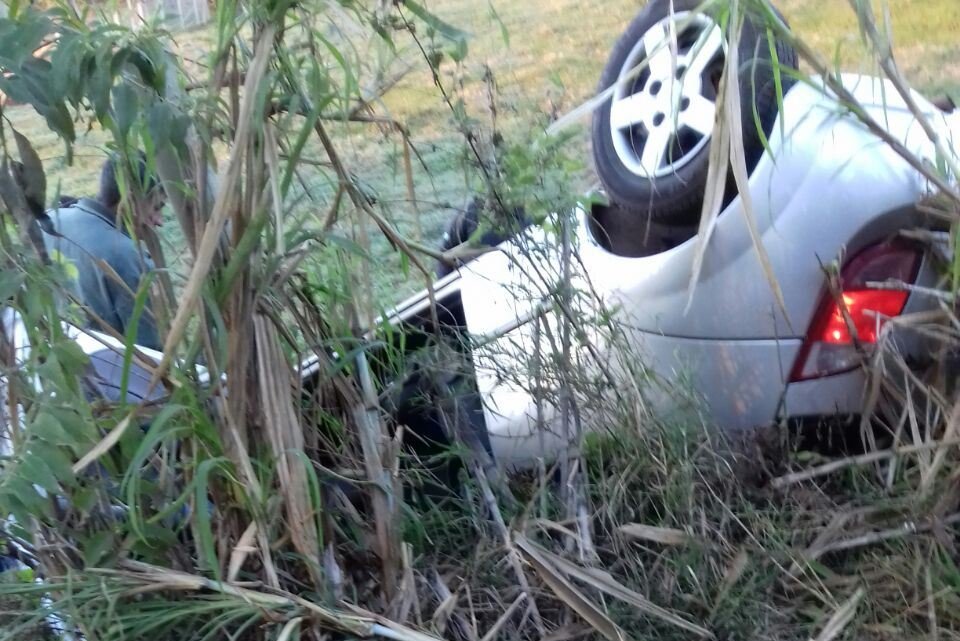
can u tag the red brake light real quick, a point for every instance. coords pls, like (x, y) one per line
(868, 310)
(829, 347)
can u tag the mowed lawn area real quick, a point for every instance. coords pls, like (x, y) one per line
(545, 57)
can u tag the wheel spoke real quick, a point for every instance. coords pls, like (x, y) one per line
(629, 111)
(657, 45)
(703, 51)
(655, 149)
(699, 115)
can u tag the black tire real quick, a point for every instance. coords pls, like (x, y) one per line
(442, 410)
(459, 229)
(677, 196)
(463, 227)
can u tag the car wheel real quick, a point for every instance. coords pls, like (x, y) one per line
(458, 230)
(463, 227)
(441, 408)
(651, 138)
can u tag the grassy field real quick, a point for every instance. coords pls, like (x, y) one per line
(677, 538)
(545, 58)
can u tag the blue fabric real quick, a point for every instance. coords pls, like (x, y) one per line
(87, 233)
(8, 563)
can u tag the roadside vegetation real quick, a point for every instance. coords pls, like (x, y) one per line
(312, 152)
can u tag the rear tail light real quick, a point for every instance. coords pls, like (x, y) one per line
(830, 346)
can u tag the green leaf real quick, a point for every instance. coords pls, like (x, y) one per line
(16, 89)
(350, 83)
(179, 128)
(11, 503)
(13, 8)
(126, 107)
(58, 118)
(71, 356)
(434, 58)
(77, 427)
(154, 541)
(67, 63)
(58, 462)
(96, 547)
(504, 33)
(99, 82)
(458, 52)
(158, 432)
(84, 499)
(34, 181)
(348, 245)
(202, 510)
(445, 29)
(10, 283)
(21, 36)
(35, 470)
(384, 34)
(49, 429)
(160, 123)
(23, 491)
(150, 72)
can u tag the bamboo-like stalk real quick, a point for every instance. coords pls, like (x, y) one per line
(372, 435)
(285, 435)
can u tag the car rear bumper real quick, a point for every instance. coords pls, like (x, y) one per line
(738, 384)
(837, 395)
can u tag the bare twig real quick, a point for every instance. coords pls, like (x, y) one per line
(908, 528)
(512, 554)
(861, 459)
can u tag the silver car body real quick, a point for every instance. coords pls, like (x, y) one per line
(826, 186)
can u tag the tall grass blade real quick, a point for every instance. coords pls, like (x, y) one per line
(566, 592)
(604, 582)
(842, 617)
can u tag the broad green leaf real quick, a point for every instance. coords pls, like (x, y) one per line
(44, 426)
(96, 547)
(85, 499)
(33, 179)
(130, 337)
(59, 120)
(12, 504)
(16, 89)
(22, 36)
(58, 462)
(71, 356)
(160, 123)
(67, 63)
(77, 427)
(445, 29)
(10, 283)
(154, 540)
(22, 490)
(35, 470)
(126, 107)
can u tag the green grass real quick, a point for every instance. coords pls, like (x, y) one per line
(924, 33)
(548, 62)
